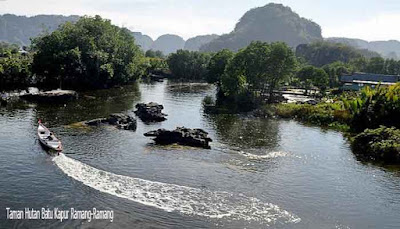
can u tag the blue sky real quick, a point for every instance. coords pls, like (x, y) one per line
(369, 19)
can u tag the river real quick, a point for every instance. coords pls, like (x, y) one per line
(259, 173)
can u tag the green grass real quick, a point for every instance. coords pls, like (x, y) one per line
(330, 115)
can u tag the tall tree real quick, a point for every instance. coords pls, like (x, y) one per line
(260, 68)
(89, 53)
(312, 76)
(185, 64)
(217, 65)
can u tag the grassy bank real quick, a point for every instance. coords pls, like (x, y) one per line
(331, 115)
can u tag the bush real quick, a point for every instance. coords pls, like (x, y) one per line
(381, 144)
(375, 107)
(208, 101)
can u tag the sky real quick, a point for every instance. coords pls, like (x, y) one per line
(365, 19)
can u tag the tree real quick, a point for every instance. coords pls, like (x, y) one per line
(154, 54)
(376, 65)
(189, 65)
(216, 66)
(15, 69)
(259, 68)
(392, 67)
(282, 64)
(337, 69)
(312, 76)
(89, 53)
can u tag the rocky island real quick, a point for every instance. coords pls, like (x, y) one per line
(150, 112)
(181, 136)
(121, 121)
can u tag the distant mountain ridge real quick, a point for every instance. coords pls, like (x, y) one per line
(19, 29)
(273, 22)
(194, 43)
(144, 41)
(388, 49)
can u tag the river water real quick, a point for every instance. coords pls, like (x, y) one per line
(259, 173)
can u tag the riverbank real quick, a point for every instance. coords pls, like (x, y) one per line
(368, 120)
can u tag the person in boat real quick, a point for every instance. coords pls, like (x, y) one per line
(50, 137)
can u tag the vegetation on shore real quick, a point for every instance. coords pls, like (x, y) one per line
(15, 67)
(371, 118)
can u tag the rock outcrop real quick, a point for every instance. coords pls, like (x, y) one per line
(122, 121)
(51, 96)
(182, 136)
(150, 112)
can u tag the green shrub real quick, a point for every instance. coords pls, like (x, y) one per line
(208, 101)
(381, 144)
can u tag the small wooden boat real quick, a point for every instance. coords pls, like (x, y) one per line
(48, 139)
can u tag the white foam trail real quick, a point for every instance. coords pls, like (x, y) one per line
(170, 197)
(267, 156)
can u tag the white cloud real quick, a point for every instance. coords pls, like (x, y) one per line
(380, 27)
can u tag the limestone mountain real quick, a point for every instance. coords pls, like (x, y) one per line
(168, 43)
(273, 22)
(19, 29)
(144, 41)
(194, 44)
(388, 49)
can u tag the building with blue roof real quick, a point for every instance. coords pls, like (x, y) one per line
(358, 80)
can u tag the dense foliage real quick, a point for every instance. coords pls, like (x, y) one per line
(311, 76)
(90, 53)
(259, 69)
(322, 53)
(156, 65)
(270, 23)
(154, 54)
(217, 65)
(337, 69)
(14, 67)
(381, 144)
(188, 65)
(375, 107)
(325, 114)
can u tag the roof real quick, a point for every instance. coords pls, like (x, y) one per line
(370, 77)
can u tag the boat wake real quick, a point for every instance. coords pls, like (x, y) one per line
(266, 156)
(170, 197)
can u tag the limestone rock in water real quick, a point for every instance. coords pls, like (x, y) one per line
(182, 136)
(121, 121)
(51, 96)
(150, 112)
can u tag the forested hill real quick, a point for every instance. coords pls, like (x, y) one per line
(322, 53)
(388, 49)
(19, 29)
(273, 22)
